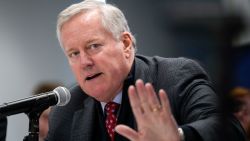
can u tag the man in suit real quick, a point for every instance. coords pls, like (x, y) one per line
(101, 52)
(3, 128)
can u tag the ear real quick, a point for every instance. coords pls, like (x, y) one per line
(126, 39)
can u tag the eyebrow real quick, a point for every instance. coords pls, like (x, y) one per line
(68, 50)
(88, 42)
(91, 41)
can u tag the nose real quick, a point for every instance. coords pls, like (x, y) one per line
(86, 61)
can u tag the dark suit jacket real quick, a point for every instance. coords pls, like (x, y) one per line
(3, 128)
(193, 101)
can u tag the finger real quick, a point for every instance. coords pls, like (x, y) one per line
(135, 103)
(152, 98)
(164, 102)
(127, 132)
(142, 94)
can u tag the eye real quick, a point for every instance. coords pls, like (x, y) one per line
(94, 46)
(73, 54)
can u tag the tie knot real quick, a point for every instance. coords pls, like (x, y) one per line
(111, 107)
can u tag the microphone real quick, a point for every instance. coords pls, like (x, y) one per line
(60, 96)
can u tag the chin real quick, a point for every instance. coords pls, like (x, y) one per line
(100, 98)
(103, 97)
(96, 95)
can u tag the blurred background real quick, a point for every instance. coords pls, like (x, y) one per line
(214, 32)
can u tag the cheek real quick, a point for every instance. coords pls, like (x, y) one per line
(117, 70)
(76, 71)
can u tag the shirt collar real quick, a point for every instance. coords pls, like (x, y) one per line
(117, 99)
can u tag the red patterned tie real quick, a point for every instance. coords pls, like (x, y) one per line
(111, 119)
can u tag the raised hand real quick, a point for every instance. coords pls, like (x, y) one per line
(153, 116)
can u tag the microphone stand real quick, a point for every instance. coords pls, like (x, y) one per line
(34, 116)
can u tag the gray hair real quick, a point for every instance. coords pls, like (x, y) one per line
(112, 18)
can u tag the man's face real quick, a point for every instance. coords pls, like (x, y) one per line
(99, 62)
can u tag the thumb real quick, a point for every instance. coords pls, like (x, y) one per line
(127, 132)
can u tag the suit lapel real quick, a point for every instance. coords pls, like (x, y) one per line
(83, 121)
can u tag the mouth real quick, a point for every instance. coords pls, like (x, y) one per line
(92, 76)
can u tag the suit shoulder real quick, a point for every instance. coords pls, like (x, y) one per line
(76, 101)
(168, 61)
(61, 117)
(178, 62)
(165, 67)
(180, 65)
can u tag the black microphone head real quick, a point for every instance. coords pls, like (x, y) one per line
(63, 95)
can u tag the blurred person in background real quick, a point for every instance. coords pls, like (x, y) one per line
(43, 120)
(241, 97)
(3, 128)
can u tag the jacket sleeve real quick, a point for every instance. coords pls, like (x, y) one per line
(196, 106)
